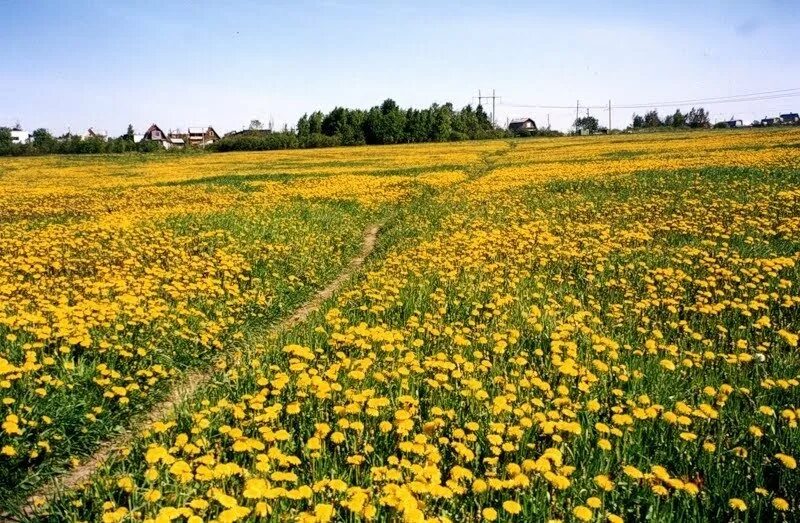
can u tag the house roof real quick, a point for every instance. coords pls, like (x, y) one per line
(521, 120)
(148, 133)
(196, 130)
(790, 115)
(176, 140)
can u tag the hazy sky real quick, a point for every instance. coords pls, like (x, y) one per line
(77, 64)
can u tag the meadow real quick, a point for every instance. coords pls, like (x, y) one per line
(576, 329)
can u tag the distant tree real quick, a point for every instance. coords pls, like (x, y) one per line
(393, 121)
(587, 123)
(483, 118)
(315, 122)
(697, 118)
(756, 123)
(303, 127)
(442, 122)
(651, 119)
(678, 119)
(638, 121)
(43, 141)
(129, 134)
(255, 125)
(335, 122)
(5, 140)
(353, 130)
(416, 125)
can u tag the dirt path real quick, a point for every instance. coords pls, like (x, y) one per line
(185, 389)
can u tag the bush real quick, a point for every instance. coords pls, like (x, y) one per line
(256, 142)
(320, 140)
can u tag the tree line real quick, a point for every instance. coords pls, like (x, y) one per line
(696, 118)
(386, 123)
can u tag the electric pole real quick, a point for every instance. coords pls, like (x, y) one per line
(494, 120)
(494, 98)
(577, 108)
(548, 121)
(609, 117)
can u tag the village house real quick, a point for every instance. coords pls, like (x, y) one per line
(790, 118)
(734, 123)
(522, 125)
(776, 120)
(155, 134)
(18, 136)
(195, 136)
(200, 136)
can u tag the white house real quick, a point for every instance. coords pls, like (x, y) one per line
(20, 136)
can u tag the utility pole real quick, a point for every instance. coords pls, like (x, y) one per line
(548, 121)
(494, 98)
(494, 120)
(609, 117)
(577, 108)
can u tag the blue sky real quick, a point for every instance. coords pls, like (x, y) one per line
(104, 63)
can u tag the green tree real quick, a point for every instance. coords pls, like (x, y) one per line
(483, 118)
(697, 118)
(334, 122)
(651, 119)
(678, 119)
(393, 121)
(43, 141)
(5, 141)
(315, 122)
(587, 123)
(441, 124)
(303, 127)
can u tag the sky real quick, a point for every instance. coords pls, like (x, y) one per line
(75, 64)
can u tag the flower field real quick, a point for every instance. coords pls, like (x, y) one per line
(576, 329)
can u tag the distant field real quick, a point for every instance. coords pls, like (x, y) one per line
(585, 329)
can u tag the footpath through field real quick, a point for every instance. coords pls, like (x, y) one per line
(189, 384)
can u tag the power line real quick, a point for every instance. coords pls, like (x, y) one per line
(722, 98)
(749, 97)
(711, 101)
(493, 98)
